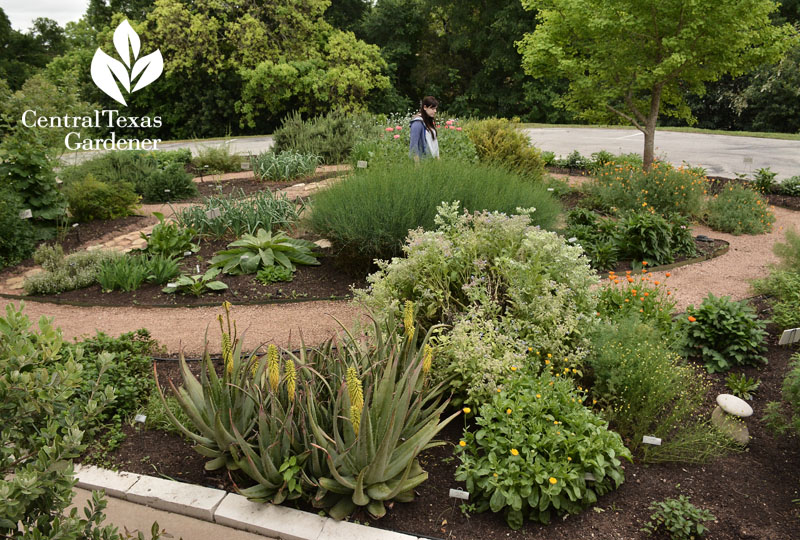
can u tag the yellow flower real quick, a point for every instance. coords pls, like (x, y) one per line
(549, 355)
(466, 410)
(354, 389)
(514, 452)
(408, 318)
(538, 395)
(513, 368)
(462, 443)
(553, 481)
(494, 474)
(427, 359)
(291, 379)
(273, 367)
(569, 458)
(355, 418)
(508, 411)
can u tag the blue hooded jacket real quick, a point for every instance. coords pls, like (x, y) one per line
(418, 145)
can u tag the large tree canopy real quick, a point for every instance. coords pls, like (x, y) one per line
(636, 59)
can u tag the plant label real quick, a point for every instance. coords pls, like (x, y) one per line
(361, 164)
(75, 225)
(790, 336)
(213, 213)
(459, 494)
(166, 191)
(550, 189)
(655, 441)
(140, 418)
(245, 257)
(573, 239)
(748, 160)
(172, 285)
(59, 181)
(197, 268)
(25, 214)
(589, 477)
(187, 253)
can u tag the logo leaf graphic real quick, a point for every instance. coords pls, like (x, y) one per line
(150, 67)
(123, 36)
(104, 70)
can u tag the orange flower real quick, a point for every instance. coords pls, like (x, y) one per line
(514, 452)
(644, 263)
(630, 279)
(667, 274)
(691, 319)
(462, 443)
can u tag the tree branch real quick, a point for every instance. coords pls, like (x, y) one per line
(628, 117)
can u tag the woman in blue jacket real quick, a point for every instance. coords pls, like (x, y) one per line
(424, 140)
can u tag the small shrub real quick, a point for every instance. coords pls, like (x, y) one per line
(169, 239)
(738, 210)
(574, 160)
(171, 183)
(217, 159)
(783, 283)
(89, 199)
(239, 215)
(370, 213)
(789, 251)
(274, 274)
(646, 236)
(638, 296)
(74, 271)
(533, 445)
(286, 165)
(764, 181)
(790, 186)
(603, 159)
(724, 334)
(678, 518)
(331, 137)
(664, 189)
(499, 142)
(647, 389)
(741, 385)
(17, 240)
(264, 249)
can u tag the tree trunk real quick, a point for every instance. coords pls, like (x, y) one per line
(648, 156)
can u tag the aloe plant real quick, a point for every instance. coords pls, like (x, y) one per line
(251, 252)
(220, 408)
(376, 430)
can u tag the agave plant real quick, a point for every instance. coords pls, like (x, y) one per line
(376, 430)
(220, 408)
(251, 252)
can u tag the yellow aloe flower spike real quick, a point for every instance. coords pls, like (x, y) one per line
(291, 379)
(427, 359)
(355, 418)
(408, 318)
(354, 389)
(273, 367)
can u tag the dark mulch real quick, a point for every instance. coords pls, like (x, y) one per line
(332, 278)
(750, 493)
(208, 186)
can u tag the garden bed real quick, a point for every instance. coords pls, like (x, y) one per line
(750, 493)
(330, 280)
(209, 186)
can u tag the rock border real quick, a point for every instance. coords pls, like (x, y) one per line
(224, 508)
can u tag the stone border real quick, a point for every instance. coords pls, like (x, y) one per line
(227, 509)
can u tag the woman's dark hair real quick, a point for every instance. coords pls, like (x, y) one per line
(430, 124)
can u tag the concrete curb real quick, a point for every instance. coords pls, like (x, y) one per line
(223, 508)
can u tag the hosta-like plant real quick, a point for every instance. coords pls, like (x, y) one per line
(198, 284)
(264, 249)
(381, 419)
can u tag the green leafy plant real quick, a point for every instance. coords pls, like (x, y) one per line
(196, 284)
(169, 238)
(239, 215)
(498, 141)
(370, 214)
(741, 385)
(678, 518)
(286, 165)
(61, 273)
(217, 159)
(790, 186)
(18, 239)
(274, 274)
(639, 296)
(782, 416)
(783, 283)
(125, 273)
(36, 473)
(89, 199)
(738, 210)
(331, 137)
(574, 160)
(532, 448)
(646, 388)
(264, 249)
(161, 269)
(170, 183)
(764, 181)
(724, 334)
(664, 189)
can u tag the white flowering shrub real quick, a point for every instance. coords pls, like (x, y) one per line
(513, 293)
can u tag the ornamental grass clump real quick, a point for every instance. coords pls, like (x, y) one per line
(370, 214)
(536, 450)
(723, 334)
(508, 288)
(664, 189)
(646, 388)
(739, 210)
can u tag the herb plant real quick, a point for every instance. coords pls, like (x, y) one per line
(741, 385)
(126, 273)
(286, 165)
(264, 249)
(724, 334)
(75, 271)
(678, 518)
(169, 239)
(196, 285)
(274, 274)
(738, 210)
